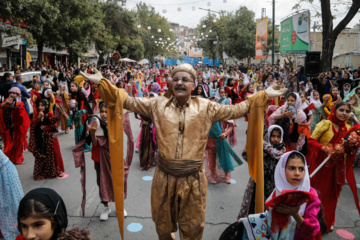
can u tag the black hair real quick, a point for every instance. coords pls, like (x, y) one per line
(34, 208)
(6, 75)
(77, 71)
(276, 129)
(44, 72)
(76, 84)
(291, 95)
(342, 103)
(357, 90)
(294, 155)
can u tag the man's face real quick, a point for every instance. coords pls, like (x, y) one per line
(182, 85)
(10, 78)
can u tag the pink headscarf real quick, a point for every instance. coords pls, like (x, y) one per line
(17, 91)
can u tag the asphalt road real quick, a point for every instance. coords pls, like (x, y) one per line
(223, 200)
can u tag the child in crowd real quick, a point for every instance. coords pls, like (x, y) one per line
(42, 215)
(14, 123)
(44, 144)
(274, 148)
(307, 223)
(75, 120)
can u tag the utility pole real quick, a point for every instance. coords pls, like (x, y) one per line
(273, 34)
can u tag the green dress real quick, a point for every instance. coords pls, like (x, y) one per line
(79, 127)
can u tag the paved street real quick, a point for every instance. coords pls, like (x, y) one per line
(223, 200)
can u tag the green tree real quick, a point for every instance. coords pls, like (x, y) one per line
(328, 11)
(57, 24)
(148, 18)
(240, 34)
(213, 35)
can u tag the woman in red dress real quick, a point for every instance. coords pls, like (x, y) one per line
(14, 123)
(331, 177)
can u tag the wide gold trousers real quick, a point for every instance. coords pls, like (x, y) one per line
(179, 201)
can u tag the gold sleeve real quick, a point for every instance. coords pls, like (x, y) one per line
(219, 112)
(109, 93)
(258, 101)
(140, 105)
(320, 129)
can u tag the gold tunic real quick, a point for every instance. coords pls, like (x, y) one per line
(182, 132)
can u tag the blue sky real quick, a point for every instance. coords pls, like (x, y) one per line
(191, 18)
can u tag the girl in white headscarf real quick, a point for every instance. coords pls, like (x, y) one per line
(318, 111)
(274, 148)
(292, 173)
(289, 116)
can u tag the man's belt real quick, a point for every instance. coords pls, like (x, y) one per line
(180, 167)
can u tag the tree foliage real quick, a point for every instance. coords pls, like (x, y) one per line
(214, 31)
(240, 34)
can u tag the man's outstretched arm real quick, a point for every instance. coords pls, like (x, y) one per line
(110, 94)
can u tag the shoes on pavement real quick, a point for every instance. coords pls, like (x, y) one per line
(125, 213)
(227, 178)
(105, 214)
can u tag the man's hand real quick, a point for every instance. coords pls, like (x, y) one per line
(275, 93)
(95, 78)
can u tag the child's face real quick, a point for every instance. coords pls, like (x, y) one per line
(36, 228)
(251, 88)
(316, 96)
(13, 95)
(346, 87)
(41, 107)
(302, 98)
(291, 101)
(260, 88)
(46, 85)
(275, 137)
(335, 92)
(295, 171)
(73, 88)
(222, 93)
(103, 114)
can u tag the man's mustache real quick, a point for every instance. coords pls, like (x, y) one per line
(179, 87)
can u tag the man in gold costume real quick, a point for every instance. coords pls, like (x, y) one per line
(182, 124)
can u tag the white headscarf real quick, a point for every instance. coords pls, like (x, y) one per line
(281, 182)
(297, 103)
(271, 129)
(317, 103)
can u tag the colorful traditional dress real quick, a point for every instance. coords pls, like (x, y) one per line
(331, 177)
(44, 145)
(75, 120)
(220, 157)
(272, 154)
(148, 144)
(14, 124)
(294, 138)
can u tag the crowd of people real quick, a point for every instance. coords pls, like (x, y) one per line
(313, 120)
